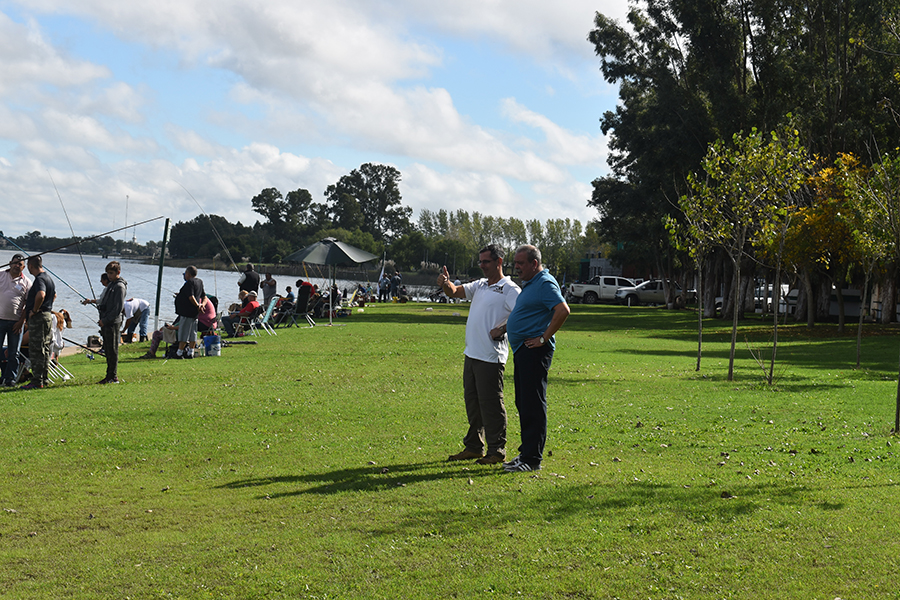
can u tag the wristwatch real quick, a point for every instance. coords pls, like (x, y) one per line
(542, 340)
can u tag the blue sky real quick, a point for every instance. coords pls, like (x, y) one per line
(490, 106)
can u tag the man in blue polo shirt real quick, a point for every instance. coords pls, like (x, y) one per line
(539, 313)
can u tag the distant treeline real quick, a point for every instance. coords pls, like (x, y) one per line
(35, 242)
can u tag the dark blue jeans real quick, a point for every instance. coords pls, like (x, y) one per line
(530, 377)
(13, 341)
(142, 319)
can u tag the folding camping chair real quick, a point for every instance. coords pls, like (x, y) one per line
(247, 323)
(301, 306)
(55, 370)
(266, 320)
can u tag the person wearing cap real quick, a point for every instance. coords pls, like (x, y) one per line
(249, 280)
(14, 287)
(233, 318)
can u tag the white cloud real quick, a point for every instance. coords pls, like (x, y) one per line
(563, 147)
(349, 75)
(28, 61)
(90, 132)
(424, 187)
(118, 100)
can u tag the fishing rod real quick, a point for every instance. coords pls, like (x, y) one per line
(77, 245)
(215, 231)
(94, 237)
(45, 268)
(90, 353)
(133, 276)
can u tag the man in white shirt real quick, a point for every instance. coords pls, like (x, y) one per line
(487, 348)
(14, 286)
(137, 312)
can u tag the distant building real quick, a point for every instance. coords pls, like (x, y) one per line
(594, 264)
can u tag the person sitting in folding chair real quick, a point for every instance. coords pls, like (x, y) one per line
(233, 319)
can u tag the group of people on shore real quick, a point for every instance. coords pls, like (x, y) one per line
(503, 317)
(30, 325)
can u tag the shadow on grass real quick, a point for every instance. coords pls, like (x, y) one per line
(371, 478)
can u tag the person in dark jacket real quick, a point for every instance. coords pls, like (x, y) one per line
(249, 280)
(111, 304)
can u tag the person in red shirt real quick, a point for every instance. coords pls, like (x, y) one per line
(232, 319)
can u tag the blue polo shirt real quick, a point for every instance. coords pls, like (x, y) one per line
(534, 310)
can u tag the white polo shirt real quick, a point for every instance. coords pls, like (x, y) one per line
(12, 295)
(491, 305)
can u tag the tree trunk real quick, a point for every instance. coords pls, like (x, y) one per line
(734, 319)
(710, 275)
(888, 300)
(810, 300)
(728, 291)
(840, 299)
(699, 312)
(862, 311)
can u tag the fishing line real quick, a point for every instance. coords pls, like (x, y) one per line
(77, 244)
(93, 237)
(215, 231)
(45, 268)
(131, 275)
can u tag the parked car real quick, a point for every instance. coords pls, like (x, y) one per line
(601, 288)
(650, 292)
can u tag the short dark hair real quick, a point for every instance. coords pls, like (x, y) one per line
(494, 250)
(191, 270)
(114, 266)
(35, 261)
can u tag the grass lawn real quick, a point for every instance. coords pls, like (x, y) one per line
(313, 465)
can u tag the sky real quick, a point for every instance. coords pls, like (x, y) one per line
(114, 112)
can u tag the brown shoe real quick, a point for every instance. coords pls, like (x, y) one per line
(491, 459)
(465, 455)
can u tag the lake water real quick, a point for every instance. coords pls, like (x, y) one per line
(68, 273)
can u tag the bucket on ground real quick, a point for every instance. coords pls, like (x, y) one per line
(213, 344)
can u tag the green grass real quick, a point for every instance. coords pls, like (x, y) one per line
(313, 466)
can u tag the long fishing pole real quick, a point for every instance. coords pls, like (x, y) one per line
(215, 231)
(77, 245)
(45, 268)
(90, 352)
(93, 237)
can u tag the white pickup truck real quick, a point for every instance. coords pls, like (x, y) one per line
(601, 288)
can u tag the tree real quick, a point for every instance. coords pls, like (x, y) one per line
(745, 190)
(347, 213)
(287, 216)
(878, 201)
(693, 72)
(376, 190)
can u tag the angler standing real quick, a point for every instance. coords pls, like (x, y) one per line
(38, 304)
(111, 304)
(14, 286)
(249, 280)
